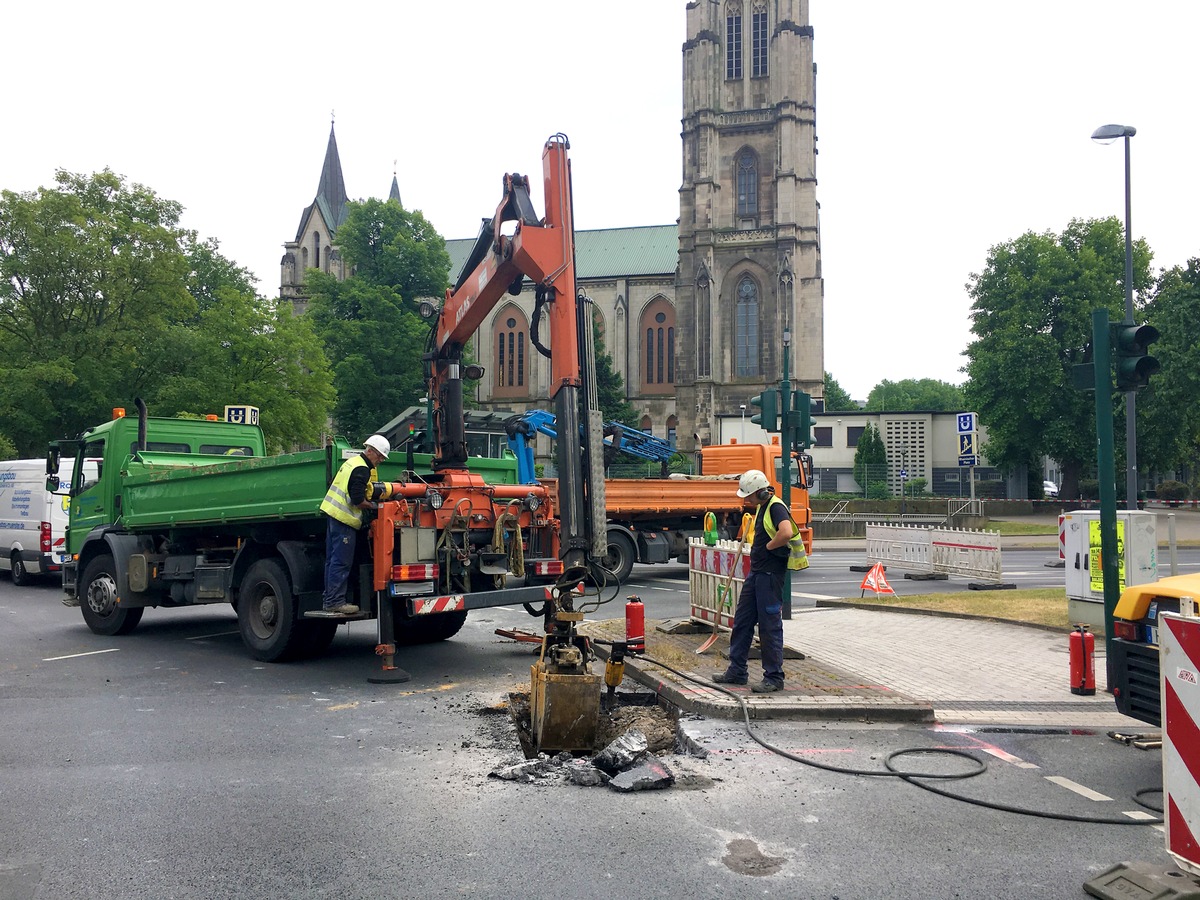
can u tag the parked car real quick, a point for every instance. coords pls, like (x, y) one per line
(1050, 489)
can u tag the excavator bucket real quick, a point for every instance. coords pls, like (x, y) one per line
(564, 701)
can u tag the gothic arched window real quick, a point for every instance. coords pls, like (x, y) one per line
(658, 326)
(758, 40)
(703, 325)
(511, 358)
(733, 40)
(747, 183)
(747, 348)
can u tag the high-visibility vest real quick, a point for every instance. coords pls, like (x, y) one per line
(797, 557)
(337, 500)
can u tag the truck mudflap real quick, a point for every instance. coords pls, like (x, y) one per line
(1136, 672)
(426, 606)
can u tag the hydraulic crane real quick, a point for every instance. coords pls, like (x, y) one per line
(564, 695)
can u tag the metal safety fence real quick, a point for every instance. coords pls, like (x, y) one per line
(943, 551)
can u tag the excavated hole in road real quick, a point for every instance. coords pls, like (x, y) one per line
(645, 711)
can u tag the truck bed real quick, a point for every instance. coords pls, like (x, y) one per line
(662, 499)
(166, 490)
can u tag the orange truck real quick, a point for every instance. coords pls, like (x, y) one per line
(651, 519)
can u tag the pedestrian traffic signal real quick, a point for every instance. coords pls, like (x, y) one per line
(768, 402)
(802, 404)
(1133, 365)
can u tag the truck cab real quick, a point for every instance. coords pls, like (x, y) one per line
(103, 452)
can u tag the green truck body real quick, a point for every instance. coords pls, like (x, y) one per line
(187, 511)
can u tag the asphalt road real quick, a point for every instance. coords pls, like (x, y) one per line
(169, 764)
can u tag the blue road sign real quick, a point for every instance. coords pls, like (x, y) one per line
(968, 460)
(966, 422)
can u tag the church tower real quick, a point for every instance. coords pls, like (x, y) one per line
(314, 246)
(749, 236)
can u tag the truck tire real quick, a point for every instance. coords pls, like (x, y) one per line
(316, 636)
(20, 574)
(429, 629)
(267, 613)
(621, 555)
(98, 599)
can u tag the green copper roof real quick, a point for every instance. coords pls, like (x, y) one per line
(605, 252)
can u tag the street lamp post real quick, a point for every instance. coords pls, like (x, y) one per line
(1107, 134)
(743, 409)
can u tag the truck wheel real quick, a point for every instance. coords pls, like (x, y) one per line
(621, 555)
(267, 613)
(20, 574)
(98, 599)
(429, 629)
(316, 636)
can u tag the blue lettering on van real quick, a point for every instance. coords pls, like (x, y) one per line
(16, 526)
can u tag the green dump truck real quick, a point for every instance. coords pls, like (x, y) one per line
(184, 511)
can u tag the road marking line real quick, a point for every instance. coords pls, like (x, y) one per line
(1009, 758)
(1138, 814)
(77, 655)
(202, 637)
(1076, 787)
(815, 596)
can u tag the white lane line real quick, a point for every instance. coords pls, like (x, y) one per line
(77, 655)
(1009, 758)
(203, 637)
(1076, 787)
(816, 596)
(1140, 815)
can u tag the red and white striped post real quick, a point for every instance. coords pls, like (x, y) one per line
(1179, 649)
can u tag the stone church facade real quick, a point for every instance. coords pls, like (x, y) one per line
(693, 314)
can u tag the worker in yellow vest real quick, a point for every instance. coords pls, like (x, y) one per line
(355, 487)
(761, 601)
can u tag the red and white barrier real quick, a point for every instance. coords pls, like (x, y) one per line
(1179, 655)
(1062, 537)
(708, 571)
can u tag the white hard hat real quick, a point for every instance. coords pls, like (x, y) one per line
(751, 482)
(379, 444)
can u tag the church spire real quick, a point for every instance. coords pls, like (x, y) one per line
(394, 193)
(332, 187)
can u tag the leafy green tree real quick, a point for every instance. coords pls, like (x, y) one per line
(910, 394)
(870, 458)
(388, 245)
(1031, 316)
(1168, 416)
(368, 323)
(610, 390)
(103, 298)
(836, 398)
(376, 343)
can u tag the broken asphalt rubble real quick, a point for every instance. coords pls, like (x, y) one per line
(624, 765)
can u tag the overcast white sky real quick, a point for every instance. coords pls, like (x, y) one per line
(944, 126)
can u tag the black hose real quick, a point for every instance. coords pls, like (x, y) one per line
(891, 771)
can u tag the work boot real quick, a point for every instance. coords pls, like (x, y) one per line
(766, 687)
(726, 678)
(342, 609)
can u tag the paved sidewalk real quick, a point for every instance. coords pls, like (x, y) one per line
(878, 665)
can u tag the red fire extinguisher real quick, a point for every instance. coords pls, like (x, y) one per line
(1083, 661)
(635, 624)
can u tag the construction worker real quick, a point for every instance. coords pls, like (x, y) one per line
(761, 600)
(355, 488)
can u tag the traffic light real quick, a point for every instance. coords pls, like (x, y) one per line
(768, 402)
(1133, 365)
(802, 421)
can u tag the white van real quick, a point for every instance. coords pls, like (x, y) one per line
(33, 521)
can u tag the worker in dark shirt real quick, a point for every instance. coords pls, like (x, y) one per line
(355, 487)
(761, 600)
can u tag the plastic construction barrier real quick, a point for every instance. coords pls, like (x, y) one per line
(708, 570)
(1179, 675)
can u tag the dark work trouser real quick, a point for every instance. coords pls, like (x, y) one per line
(340, 539)
(761, 604)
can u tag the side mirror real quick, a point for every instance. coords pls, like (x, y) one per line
(52, 483)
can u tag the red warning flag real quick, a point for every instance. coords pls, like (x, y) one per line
(876, 581)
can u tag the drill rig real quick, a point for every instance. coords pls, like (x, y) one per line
(564, 695)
